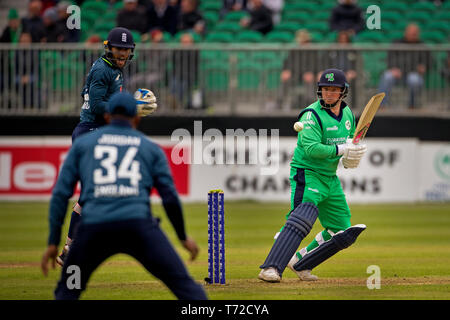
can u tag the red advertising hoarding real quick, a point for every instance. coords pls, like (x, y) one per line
(30, 170)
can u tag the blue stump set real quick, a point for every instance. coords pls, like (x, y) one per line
(216, 237)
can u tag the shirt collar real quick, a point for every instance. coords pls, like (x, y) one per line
(337, 117)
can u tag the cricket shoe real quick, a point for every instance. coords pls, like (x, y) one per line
(62, 257)
(304, 275)
(270, 275)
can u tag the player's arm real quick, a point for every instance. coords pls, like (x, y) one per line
(62, 191)
(311, 138)
(61, 194)
(97, 92)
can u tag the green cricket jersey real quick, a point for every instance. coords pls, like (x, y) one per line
(322, 132)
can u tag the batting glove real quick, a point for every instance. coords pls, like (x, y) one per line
(350, 164)
(352, 153)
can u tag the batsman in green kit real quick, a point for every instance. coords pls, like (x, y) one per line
(316, 192)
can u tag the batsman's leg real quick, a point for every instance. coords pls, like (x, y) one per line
(300, 194)
(297, 227)
(338, 234)
(338, 242)
(319, 239)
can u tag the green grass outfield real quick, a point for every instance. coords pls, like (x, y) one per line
(410, 243)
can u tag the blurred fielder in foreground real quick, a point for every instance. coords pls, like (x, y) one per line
(118, 166)
(316, 191)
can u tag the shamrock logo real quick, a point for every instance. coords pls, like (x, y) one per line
(330, 77)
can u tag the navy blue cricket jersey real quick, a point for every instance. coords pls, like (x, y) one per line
(117, 167)
(103, 80)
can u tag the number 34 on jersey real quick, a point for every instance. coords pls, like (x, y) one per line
(116, 177)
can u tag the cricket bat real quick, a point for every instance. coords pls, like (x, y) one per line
(367, 116)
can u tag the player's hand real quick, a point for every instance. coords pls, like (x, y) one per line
(350, 164)
(190, 245)
(146, 102)
(351, 151)
(50, 254)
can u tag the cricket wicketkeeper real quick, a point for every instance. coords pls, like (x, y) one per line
(316, 192)
(103, 80)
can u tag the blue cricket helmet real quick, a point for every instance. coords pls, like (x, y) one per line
(332, 78)
(120, 38)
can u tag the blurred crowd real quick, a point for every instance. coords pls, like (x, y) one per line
(46, 22)
(46, 19)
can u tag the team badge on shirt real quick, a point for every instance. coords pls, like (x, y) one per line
(348, 125)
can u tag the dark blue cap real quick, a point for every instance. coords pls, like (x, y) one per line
(121, 38)
(122, 103)
(333, 78)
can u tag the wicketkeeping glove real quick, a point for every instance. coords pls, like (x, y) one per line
(146, 102)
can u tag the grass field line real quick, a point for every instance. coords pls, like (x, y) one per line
(290, 283)
(19, 265)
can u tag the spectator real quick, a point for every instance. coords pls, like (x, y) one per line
(408, 67)
(162, 16)
(92, 40)
(89, 55)
(260, 17)
(445, 73)
(70, 35)
(343, 59)
(190, 18)
(232, 5)
(47, 4)
(347, 16)
(156, 36)
(26, 73)
(300, 69)
(33, 23)
(54, 32)
(155, 72)
(12, 31)
(146, 3)
(11, 34)
(132, 16)
(184, 76)
(445, 70)
(176, 4)
(276, 6)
